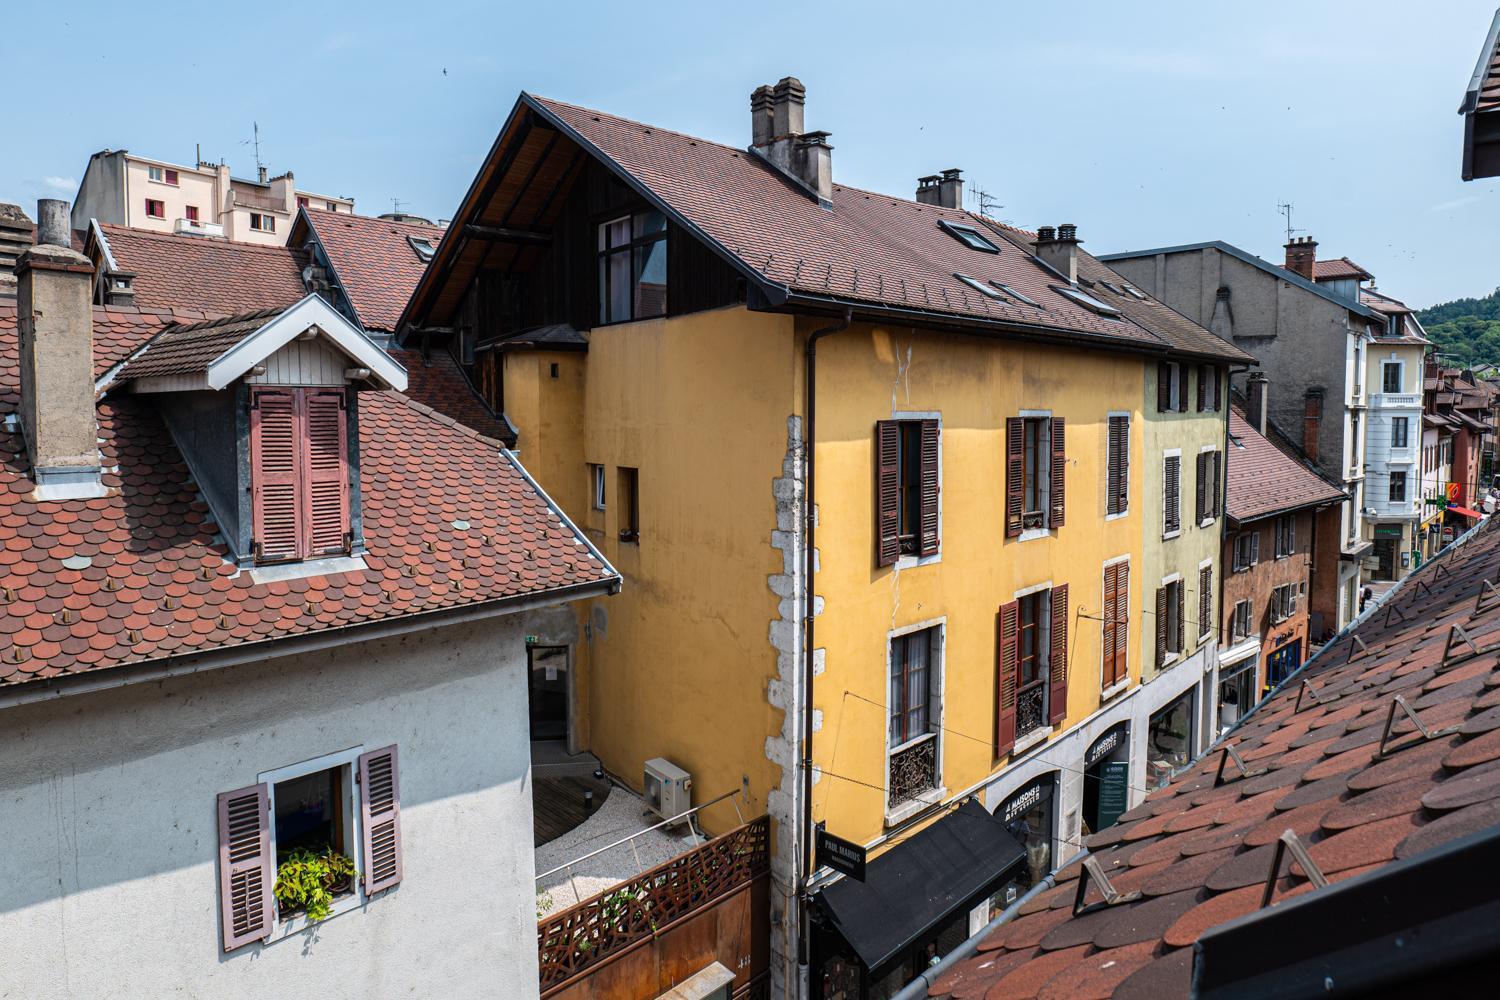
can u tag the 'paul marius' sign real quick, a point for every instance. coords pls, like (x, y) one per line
(840, 855)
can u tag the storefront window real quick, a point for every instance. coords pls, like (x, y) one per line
(1169, 740)
(1030, 815)
(1106, 778)
(1281, 663)
(1237, 694)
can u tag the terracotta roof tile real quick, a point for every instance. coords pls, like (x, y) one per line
(1263, 480)
(217, 277)
(1338, 268)
(373, 261)
(440, 383)
(1355, 811)
(449, 521)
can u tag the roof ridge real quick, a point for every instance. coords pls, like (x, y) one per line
(373, 218)
(208, 241)
(443, 418)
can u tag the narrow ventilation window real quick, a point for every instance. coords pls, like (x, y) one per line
(979, 286)
(1028, 300)
(1087, 301)
(968, 236)
(422, 247)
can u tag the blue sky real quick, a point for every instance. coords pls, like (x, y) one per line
(1147, 124)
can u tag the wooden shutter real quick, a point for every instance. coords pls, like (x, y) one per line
(1015, 475)
(1181, 619)
(1007, 655)
(1172, 499)
(1161, 627)
(1182, 388)
(1107, 612)
(327, 472)
(887, 492)
(1202, 390)
(1057, 657)
(1117, 480)
(1202, 487)
(1056, 485)
(1121, 616)
(380, 819)
(927, 544)
(1205, 600)
(1216, 476)
(1163, 387)
(275, 466)
(245, 876)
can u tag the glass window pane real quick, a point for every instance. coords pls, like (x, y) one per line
(619, 287)
(647, 223)
(651, 280)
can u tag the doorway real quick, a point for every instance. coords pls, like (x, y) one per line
(547, 692)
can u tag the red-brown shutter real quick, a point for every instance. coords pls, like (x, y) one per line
(1202, 507)
(1121, 615)
(1163, 387)
(275, 465)
(1057, 657)
(327, 472)
(1015, 475)
(1056, 486)
(887, 492)
(1181, 617)
(1161, 627)
(928, 542)
(245, 876)
(1007, 653)
(380, 819)
(1172, 497)
(1107, 612)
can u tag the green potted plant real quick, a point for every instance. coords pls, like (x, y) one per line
(309, 881)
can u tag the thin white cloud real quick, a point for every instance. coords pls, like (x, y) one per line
(66, 184)
(1448, 206)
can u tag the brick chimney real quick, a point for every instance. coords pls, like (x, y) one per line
(1255, 401)
(945, 190)
(776, 133)
(1301, 252)
(1059, 249)
(56, 340)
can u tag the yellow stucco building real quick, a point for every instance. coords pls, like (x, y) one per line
(667, 322)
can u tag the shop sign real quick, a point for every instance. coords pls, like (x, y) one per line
(1026, 798)
(1388, 531)
(839, 854)
(1113, 784)
(1105, 745)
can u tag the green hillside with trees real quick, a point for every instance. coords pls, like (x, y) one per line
(1466, 331)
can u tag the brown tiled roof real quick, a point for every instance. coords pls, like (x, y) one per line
(190, 348)
(373, 261)
(1263, 480)
(118, 331)
(440, 383)
(871, 248)
(1200, 854)
(220, 277)
(139, 575)
(1337, 269)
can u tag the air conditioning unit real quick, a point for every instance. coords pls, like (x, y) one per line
(669, 789)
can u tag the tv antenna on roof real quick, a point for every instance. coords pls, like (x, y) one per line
(988, 204)
(254, 142)
(396, 204)
(1285, 208)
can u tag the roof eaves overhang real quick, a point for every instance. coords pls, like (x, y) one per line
(1314, 505)
(313, 310)
(1481, 68)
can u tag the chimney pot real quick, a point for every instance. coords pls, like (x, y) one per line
(927, 189)
(1255, 401)
(1300, 255)
(1059, 250)
(1046, 234)
(788, 98)
(760, 115)
(53, 225)
(261, 173)
(805, 157)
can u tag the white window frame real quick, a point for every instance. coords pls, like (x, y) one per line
(1406, 422)
(1177, 454)
(1400, 367)
(596, 475)
(936, 706)
(1235, 635)
(342, 758)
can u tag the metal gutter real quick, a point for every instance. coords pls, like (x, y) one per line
(109, 678)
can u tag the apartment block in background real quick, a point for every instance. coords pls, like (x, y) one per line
(202, 200)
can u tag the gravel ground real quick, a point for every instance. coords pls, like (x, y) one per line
(621, 814)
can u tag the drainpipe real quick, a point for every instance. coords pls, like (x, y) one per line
(809, 438)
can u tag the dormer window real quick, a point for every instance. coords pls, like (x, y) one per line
(968, 236)
(299, 473)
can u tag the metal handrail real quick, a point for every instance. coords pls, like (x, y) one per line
(628, 839)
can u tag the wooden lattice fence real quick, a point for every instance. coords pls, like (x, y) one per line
(585, 935)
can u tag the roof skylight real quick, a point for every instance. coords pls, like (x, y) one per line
(1028, 300)
(422, 247)
(1087, 301)
(979, 286)
(968, 236)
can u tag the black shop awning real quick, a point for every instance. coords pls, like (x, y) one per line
(921, 882)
